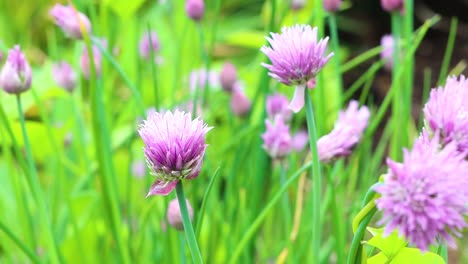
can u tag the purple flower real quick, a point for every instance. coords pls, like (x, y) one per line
(277, 104)
(69, 20)
(174, 148)
(297, 5)
(195, 9)
(446, 112)
(147, 43)
(425, 196)
(198, 79)
(16, 74)
(300, 140)
(387, 42)
(174, 216)
(84, 60)
(346, 133)
(393, 5)
(240, 103)
(296, 57)
(228, 77)
(277, 139)
(64, 75)
(332, 5)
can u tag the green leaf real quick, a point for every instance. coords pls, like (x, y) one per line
(377, 259)
(124, 8)
(415, 256)
(390, 246)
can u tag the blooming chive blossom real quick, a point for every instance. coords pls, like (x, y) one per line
(424, 197)
(69, 20)
(174, 148)
(296, 58)
(277, 139)
(446, 112)
(174, 217)
(346, 133)
(147, 43)
(64, 75)
(16, 74)
(277, 104)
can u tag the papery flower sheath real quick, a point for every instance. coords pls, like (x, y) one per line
(296, 57)
(346, 133)
(174, 148)
(425, 197)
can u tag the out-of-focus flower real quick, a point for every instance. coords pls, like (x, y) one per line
(425, 196)
(228, 77)
(69, 20)
(388, 43)
(446, 112)
(188, 108)
(174, 148)
(240, 103)
(174, 216)
(147, 43)
(332, 5)
(198, 79)
(346, 133)
(84, 60)
(297, 5)
(139, 169)
(300, 140)
(16, 74)
(277, 140)
(64, 75)
(393, 5)
(277, 104)
(296, 57)
(195, 9)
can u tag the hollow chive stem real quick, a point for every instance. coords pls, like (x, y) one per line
(188, 228)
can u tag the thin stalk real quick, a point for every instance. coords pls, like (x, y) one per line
(201, 213)
(206, 61)
(36, 188)
(153, 70)
(30, 253)
(356, 246)
(188, 228)
(407, 88)
(261, 217)
(448, 51)
(336, 49)
(285, 202)
(337, 221)
(316, 180)
(398, 99)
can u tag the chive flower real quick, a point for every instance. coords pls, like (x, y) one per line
(199, 78)
(277, 104)
(387, 42)
(425, 196)
(174, 216)
(277, 140)
(228, 77)
(97, 58)
(16, 74)
(69, 20)
(147, 43)
(296, 56)
(240, 103)
(393, 5)
(195, 9)
(64, 75)
(300, 140)
(332, 5)
(174, 148)
(346, 133)
(446, 112)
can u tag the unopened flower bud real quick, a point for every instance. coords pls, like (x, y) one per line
(16, 74)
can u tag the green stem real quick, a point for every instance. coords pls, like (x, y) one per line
(336, 49)
(337, 220)
(201, 213)
(448, 51)
(206, 61)
(258, 221)
(188, 228)
(285, 205)
(316, 180)
(153, 69)
(36, 188)
(33, 257)
(397, 104)
(356, 246)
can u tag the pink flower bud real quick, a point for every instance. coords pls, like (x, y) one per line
(147, 43)
(16, 74)
(195, 9)
(69, 20)
(240, 103)
(64, 75)
(392, 5)
(332, 5)
(174, 217)
(297, 5)
(228, 77)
